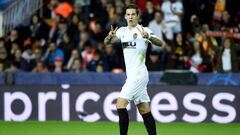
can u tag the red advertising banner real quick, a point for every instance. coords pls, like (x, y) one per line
(223, 34)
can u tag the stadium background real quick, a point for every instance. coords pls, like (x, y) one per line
(75, 94)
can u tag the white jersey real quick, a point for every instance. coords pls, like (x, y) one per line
(134, 50)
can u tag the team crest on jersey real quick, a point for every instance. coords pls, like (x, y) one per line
(135, 35)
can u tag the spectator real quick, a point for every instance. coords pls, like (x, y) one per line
(100, 46)
(173, 12)
(38, 57)
(112, 58)
(59, 32)
(58, 65)
(156, 26)
(180, 52)
(29, 58)
(99, 68)
(28, 53)
(148, 15)
(3, 58)
(98, 32)
(110, 7)
(154, 63)
(227, 60)
(196, 60)
(53, 23)
(227, 21)
(50, 10)
(51, 53)
(195, 26)
(77, 10)
(66, 46)
(96, 61)
(74, 55)
(13, 37)
(38, 28)
(14, 47)
(18, 60)
(40, 68)
(84, 5)
(87, 54)
(85, 38)
(119, 16)
(100, 12)
(77, 66)
(82, 27)
(73, 25)
(1, 67)
(115, 21)
(2, 43)
(14, 67)
(157, 4)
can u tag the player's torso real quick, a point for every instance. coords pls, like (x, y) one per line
(134, 49)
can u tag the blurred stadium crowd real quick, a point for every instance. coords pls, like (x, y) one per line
(67, 36)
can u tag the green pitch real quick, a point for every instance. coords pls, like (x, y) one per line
(108, 128)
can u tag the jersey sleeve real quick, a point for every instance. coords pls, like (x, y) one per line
(119, 33)
(149, 31)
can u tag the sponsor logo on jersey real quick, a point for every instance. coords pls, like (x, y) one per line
(129, 45)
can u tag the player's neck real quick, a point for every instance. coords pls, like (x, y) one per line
(132, 26)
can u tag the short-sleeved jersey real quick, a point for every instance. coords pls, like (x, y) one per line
(134, 50)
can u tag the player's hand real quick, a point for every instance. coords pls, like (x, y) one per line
(143, 33)
(112, 32)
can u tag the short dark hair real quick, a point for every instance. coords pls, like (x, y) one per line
(132, 6)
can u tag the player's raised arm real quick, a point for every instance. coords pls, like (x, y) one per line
(111, 37)
(154, 39)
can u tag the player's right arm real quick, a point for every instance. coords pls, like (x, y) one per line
(111, 37)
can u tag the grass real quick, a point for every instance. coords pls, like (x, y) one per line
(108, 128)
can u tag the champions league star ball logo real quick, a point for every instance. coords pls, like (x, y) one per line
(134, 35)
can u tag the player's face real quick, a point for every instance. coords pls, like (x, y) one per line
(132, 17)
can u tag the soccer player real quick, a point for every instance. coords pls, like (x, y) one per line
(134, 39)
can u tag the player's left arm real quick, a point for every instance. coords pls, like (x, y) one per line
(155, 40)
(150, 36)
